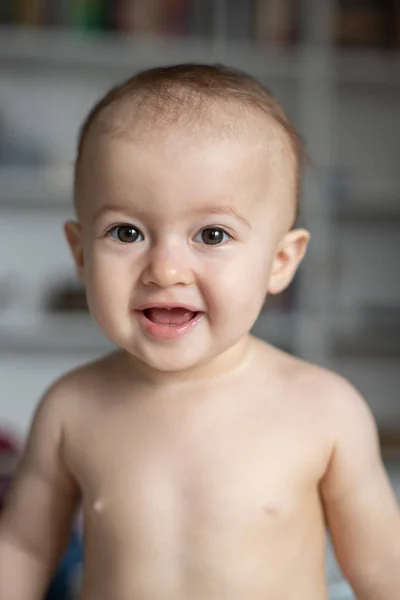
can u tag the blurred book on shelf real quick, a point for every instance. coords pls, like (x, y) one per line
(397, 25)
(143, 18)
(367, 23)
(389, 439)
(66, 297)
(356, 23)
(260, 21)
(89, 15)
(30, 12)
(57, 13)
(7, 12)
(176, 15)
(276, 21)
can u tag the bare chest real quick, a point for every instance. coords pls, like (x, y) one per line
(211, 468)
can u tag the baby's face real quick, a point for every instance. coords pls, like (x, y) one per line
(193, 225)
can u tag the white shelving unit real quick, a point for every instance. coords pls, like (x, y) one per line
(346, 105)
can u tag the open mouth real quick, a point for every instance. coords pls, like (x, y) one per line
(168, 323)
(172, 317)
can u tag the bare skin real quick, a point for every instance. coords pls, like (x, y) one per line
(204, 508)
(201, 491)
(207, 493)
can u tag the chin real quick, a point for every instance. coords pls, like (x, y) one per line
(171, 362)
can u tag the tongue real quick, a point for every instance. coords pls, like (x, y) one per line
(175, 316)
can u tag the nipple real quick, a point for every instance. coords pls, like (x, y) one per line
(271, 510)
(98, 505)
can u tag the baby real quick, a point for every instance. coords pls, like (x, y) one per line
(208, 463)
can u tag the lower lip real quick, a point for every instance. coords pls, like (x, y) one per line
(167, 332)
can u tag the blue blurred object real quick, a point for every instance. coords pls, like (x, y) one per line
(66, 582)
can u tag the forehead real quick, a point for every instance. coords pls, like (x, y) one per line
(166, 165)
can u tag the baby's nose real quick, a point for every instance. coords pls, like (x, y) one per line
(167, 267)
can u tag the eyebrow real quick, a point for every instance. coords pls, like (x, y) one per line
(226, 210)
(220, 210)
(110, 208)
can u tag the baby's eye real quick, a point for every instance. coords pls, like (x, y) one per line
(212, 236)
(126, 234)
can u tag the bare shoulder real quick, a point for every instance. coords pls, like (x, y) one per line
(345, 408)
(66, 393)
(339, 402)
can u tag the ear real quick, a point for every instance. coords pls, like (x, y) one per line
(288, 256)
(73, 233)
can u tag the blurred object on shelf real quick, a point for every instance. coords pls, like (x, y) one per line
(143, 18)
(8, 12)
(88, 15)
(358, 197)
(390, 443)
(367, 23)
(381, 319)
(176, 15)
(18, 149)
(30, 12)
(67, 297)
(397, 24)
(370, 330)
(57, 13)
(276, 21)
(264, 21)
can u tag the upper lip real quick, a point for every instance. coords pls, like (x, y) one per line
(168, 305)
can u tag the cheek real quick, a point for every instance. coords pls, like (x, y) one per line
(107, 279)
(240, 282)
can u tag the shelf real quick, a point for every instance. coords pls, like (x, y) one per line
(366, 212)
(54, 334)
(361, 346)
(366, 332)
(365, 67)
(118, 53)
(354, 349)
(47, 188)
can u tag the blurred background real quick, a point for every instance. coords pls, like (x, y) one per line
(335, 67)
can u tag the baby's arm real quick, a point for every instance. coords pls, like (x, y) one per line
(36, 522)
(361, 508)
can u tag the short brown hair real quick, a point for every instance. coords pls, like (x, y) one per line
(173, 91)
